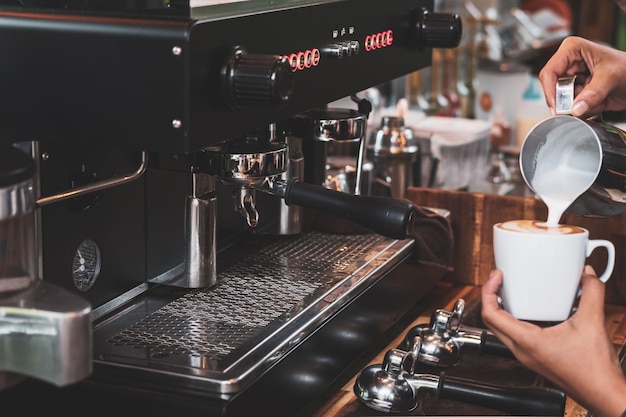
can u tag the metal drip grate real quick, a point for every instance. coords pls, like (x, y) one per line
(215, 322)
(262, 290)
(261, 308)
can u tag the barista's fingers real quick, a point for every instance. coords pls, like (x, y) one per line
(593, 291)
(567, 61)
(493, 315)
(589, 272)
(494, 282)
(506, 327)
(604, 87)
(592, 98)
(490, 296)
(548, 81)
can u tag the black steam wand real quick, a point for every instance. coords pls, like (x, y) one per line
(393, 387)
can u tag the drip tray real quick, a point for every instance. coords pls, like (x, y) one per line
(267, 300)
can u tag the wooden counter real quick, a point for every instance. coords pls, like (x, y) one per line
(444, 296)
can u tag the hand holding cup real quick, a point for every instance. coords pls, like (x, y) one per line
(542, 267)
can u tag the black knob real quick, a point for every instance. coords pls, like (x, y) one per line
(437, 30)
(257, 80)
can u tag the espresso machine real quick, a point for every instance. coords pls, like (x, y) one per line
(154, 206)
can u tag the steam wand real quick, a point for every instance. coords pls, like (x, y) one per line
(393, 387)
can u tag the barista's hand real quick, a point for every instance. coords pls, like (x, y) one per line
(576, 355)
(600, 76)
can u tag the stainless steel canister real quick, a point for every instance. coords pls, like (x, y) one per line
(334, 148)
(394, 151)
(17, 222)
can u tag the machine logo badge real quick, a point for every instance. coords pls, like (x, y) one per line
(86, 264)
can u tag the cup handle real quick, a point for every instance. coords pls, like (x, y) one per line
(610, 262)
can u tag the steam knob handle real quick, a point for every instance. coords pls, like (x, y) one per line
(438, 30)
(257, 80)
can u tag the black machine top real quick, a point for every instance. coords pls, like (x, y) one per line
(174, 8)
(177, 76)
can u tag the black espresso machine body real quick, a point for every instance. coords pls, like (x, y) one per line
(154, 81)
(144, 121)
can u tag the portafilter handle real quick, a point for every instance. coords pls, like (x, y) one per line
(488, 343)
(443, 338)
(514, 400)
(383, 215)
(393, 387)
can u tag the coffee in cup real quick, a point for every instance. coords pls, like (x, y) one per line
(542, 266)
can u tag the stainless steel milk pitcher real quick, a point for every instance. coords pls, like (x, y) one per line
(586, 144)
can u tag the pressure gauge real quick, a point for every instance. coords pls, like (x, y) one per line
(86, 264)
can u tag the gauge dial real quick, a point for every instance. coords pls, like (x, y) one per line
(86, 265)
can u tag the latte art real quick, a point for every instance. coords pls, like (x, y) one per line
(536, 226)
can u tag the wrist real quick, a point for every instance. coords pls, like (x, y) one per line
(612, 401)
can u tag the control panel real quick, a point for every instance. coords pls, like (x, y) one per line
(180, 84)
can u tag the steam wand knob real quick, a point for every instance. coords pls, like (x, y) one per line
(437, 30)
(257, 80)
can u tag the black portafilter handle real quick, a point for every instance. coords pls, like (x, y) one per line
(528, 401)
(383, 215)
(491, 345)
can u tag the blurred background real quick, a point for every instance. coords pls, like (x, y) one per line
(489, 84)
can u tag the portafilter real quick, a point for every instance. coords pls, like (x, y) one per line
(443, 339)
(393, 387)
(253, 163)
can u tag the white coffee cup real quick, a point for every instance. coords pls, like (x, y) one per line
(542, 267)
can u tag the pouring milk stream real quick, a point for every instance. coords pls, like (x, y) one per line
(563, 171)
